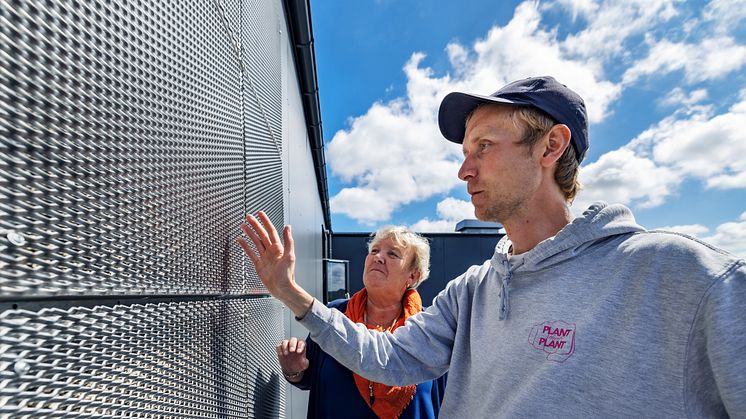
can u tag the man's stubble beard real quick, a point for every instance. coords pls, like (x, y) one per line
(500, 211)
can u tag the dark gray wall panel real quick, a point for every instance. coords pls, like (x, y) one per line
(266, 385)
(257, 24)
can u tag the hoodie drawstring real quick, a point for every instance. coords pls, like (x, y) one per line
(504, 294)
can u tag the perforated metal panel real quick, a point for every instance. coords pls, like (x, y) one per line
(134, 136)
(260, 41)
(155, 360)
(123, 157)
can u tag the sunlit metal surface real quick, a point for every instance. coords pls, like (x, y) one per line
(134, 135)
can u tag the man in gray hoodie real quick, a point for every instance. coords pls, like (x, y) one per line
(587, 317)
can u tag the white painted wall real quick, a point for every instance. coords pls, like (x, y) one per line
(302, 208)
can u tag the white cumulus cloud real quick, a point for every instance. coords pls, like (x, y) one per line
(710, 58)
(696, 145)
(450, 212)
(624, 177)
(678, 97)
(730, 236)
(611, 23)
(725, 14)
(700, 145)
(393, 158)
(394, 154)
(694, 230)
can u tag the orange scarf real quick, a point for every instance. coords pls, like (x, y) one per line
(388, 401)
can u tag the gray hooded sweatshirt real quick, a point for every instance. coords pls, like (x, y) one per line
(605, 319)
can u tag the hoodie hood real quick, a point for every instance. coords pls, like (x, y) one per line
(599, 222)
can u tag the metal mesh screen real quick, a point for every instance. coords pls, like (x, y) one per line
(134, 135)
(122, 149)
(260, 39)
(187, 359)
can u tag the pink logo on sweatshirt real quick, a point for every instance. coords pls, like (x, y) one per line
(555, 338)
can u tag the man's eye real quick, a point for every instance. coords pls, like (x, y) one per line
(483, 146)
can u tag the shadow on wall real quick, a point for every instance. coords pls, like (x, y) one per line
(267, 395)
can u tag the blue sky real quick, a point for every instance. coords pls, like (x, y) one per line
(664, 83)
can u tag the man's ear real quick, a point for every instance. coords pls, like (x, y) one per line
(555, 143)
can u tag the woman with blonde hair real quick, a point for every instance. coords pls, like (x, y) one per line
(398, 261)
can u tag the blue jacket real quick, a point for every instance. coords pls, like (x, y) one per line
(335, 395)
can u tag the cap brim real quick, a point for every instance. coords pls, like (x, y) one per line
(456, 106)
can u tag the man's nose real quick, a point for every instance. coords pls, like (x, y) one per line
(467, 170)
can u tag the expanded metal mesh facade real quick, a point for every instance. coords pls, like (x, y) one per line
(188, 359)
(134, 135)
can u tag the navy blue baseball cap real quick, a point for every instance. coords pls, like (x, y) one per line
(544, 93)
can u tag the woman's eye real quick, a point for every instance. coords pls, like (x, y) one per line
(393, 255)
(483, 146)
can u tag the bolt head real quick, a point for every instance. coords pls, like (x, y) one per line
(21, 367)
(16, 238)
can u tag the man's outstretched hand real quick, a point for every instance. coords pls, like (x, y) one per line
(274, 262)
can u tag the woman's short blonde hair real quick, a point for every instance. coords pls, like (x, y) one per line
(402, 236)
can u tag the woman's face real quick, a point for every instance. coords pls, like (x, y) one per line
(387, 268)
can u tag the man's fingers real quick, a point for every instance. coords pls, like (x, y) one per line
(254, 238)
(289, 242)
(248, 250)
(270, 228)
(300, 347)
(259, 231)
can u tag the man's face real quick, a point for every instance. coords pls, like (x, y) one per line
(501, 175)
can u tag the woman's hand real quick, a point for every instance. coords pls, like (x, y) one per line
(292, 356)
(275, 262)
